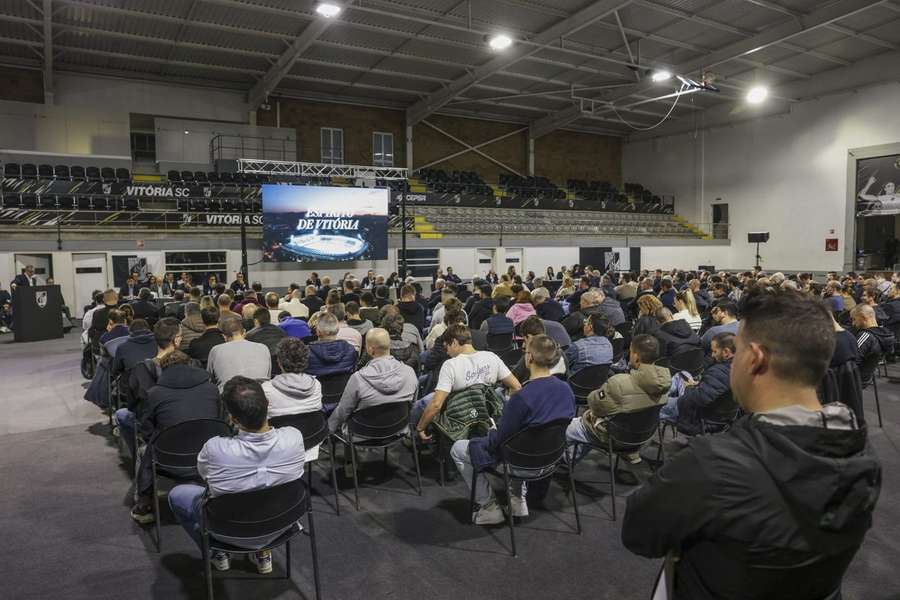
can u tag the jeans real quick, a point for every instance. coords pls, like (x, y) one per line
(418, 408)
(669, 412)
(127, 424)
(484, 494)
(577, 432)
(184, 500)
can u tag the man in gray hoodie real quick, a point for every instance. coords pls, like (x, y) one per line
(384, 379)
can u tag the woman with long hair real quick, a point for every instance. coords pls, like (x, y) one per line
(646, 322)
(566, 289)
(522, 309)
(550, 273)
(686, 305)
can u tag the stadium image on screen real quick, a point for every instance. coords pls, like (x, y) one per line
(320, 224)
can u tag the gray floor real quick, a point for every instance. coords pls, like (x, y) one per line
(67, 534)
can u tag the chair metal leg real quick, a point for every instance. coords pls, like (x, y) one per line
(355, 477)
(440, 456)
(660, 453)
(509, 515)
(612, 478)
(156, 514)
(574, 499)
(207, 566)
(337, 501)
(415, 449)
(287, 557)
(385, 465)
(472, 493)
(313, 549)
(877, 401)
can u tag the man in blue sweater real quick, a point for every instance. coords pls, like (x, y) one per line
(542, 400)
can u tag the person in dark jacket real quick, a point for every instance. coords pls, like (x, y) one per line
(675, 336)
(116, 327)
(498, 323)
(312, 301)
(482, 306)
(544, 399)
(182, 393)
(547, 308)
(140, 345)
(667, 293)
(265, 333)
(873, 341)
(100, 316)
(791, 487)
(144, 308)
(411, 310)
(329, 355)
(212, 336)
(590, 303)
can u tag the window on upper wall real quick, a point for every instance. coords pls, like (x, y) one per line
(332, 146)
(383, 149)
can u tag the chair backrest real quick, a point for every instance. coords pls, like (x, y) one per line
(512, 357)
(537, 447)
(500, 342)
(618, 346)
(311, 424)
(633, 429)
(587, 380)
(333, 387)
(257, 513)
(380, 422)
(77, 172)
(844, 384)
(690, 361)
(177, 447)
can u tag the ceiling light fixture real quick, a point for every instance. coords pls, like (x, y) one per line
(661, 75)
(328, 10)
(757, 94)
(500, 42)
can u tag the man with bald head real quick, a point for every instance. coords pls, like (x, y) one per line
(383, 380)
(593, 301)
(872, 341)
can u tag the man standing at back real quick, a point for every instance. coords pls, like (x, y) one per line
(791, 485)
(237, 356)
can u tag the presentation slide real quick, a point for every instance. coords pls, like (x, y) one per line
(320, 224)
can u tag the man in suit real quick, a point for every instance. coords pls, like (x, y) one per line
(130, 289)
(26, 277)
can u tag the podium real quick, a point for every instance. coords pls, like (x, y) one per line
(37, 313)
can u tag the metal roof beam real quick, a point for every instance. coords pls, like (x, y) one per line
(775, 34)
(286, 61)
(48, 51)
(583, 18)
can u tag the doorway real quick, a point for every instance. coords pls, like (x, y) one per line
(720, 221)
(89, 274)
(484, 261)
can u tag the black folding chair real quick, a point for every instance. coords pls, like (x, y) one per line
(333, 387)
(531, 454)
(618, 346)
(869, 371)
(257, 514)
(381, 426)
(586, 381)
(314, 428)
(511, 357)
(174, 455)
(691, 361)
(625, 432)
(500, 343)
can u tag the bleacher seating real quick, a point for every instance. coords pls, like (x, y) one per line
(537, 187)
(457, 182)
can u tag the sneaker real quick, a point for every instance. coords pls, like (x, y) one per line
(633, 458)
(489, 514)
(262, 560)
(519, 506)
(220, 561)
(142, 512)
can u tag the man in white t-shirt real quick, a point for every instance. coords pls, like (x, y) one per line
(465, 367)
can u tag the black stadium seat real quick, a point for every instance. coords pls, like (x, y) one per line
(77, 173)
(62, 172)
(84, 203)
(29, 201)
(173, 176)
(131, 203)
(47, 202)
(66, 202)
(226, 177)
(12, 201)
(12, 170)
(100, 203)
(213, 177)
(108, 174)
(93, 174)
(29, 171)
(200, 177)
(187, 177)
(123, 174)
(45, 171)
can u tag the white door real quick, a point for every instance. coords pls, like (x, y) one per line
(514, 258)
(484, 261)
(40, 262)
(89, 275)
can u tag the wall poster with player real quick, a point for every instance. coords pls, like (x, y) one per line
(322, 224)
(878, 186)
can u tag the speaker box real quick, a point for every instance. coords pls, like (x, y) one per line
(759, 237)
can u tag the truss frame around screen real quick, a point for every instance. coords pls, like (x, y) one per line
(305, 169)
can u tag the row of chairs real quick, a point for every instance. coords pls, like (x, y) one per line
(65, 173)
(56, 202)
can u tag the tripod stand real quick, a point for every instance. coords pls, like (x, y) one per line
(758, 257)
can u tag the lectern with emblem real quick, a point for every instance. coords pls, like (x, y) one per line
(37, 313)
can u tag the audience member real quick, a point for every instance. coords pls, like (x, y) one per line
(686, 307)
(116, 327)
(212, 336)
(346, 333)
(648, 305)
(412, 311)
(330, 355)
(499, 324)
(355, 320)
(627, 288)
(532, 327)
(589, 303)
(724, 317)
(223, 303)
(192, 324)
(594, 348)
(258, 456)
(293, 391)
(546, 307)
(503, 289)
(873, 341)
(411, 333)
(265, 333)
(794, 481)
(566, 289)
(675, 336)
(368, 310)
(522, 309)
(481, 307)
(667, 294)
(238, 356)
(544, 399)
(404, 350)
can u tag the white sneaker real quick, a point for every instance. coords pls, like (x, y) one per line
(489, 514)
(262, 560)
(220, 561)
(519, 506)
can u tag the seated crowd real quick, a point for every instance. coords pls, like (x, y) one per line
(737, 365)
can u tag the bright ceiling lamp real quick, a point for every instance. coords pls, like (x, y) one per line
(757, 94)
(328, 9)
(500, 42)
(661, 75)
